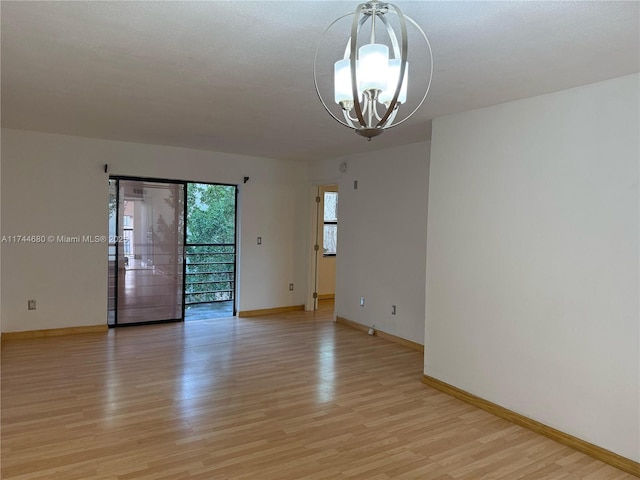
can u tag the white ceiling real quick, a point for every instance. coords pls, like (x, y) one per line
(236, 76)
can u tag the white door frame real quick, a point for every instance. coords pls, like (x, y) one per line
(313, 237)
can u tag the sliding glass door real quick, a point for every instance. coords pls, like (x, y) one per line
(146, 256)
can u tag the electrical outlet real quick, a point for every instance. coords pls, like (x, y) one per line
(362, 301)
(393, 309)
(31, 304)
(291, 286)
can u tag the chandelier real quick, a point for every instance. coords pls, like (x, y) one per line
(370, 82)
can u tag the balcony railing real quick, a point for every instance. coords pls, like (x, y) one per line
(210, 272)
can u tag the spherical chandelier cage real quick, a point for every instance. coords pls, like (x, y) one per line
(366, 68)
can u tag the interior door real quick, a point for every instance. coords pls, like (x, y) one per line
(148, 270)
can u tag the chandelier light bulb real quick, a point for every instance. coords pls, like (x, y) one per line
(342, 82)
(373, 66)
(393, 77)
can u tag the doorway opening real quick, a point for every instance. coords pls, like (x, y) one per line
(210, 253)
(172, 251)
(326, 241)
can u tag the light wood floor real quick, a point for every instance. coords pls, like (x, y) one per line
(293, 396)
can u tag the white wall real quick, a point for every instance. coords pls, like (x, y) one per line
(532, 259)
(56, 185)
(381, 237)
(1, 244)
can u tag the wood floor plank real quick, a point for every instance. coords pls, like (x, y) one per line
(292, 396)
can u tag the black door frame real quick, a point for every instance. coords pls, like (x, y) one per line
(184, 183)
